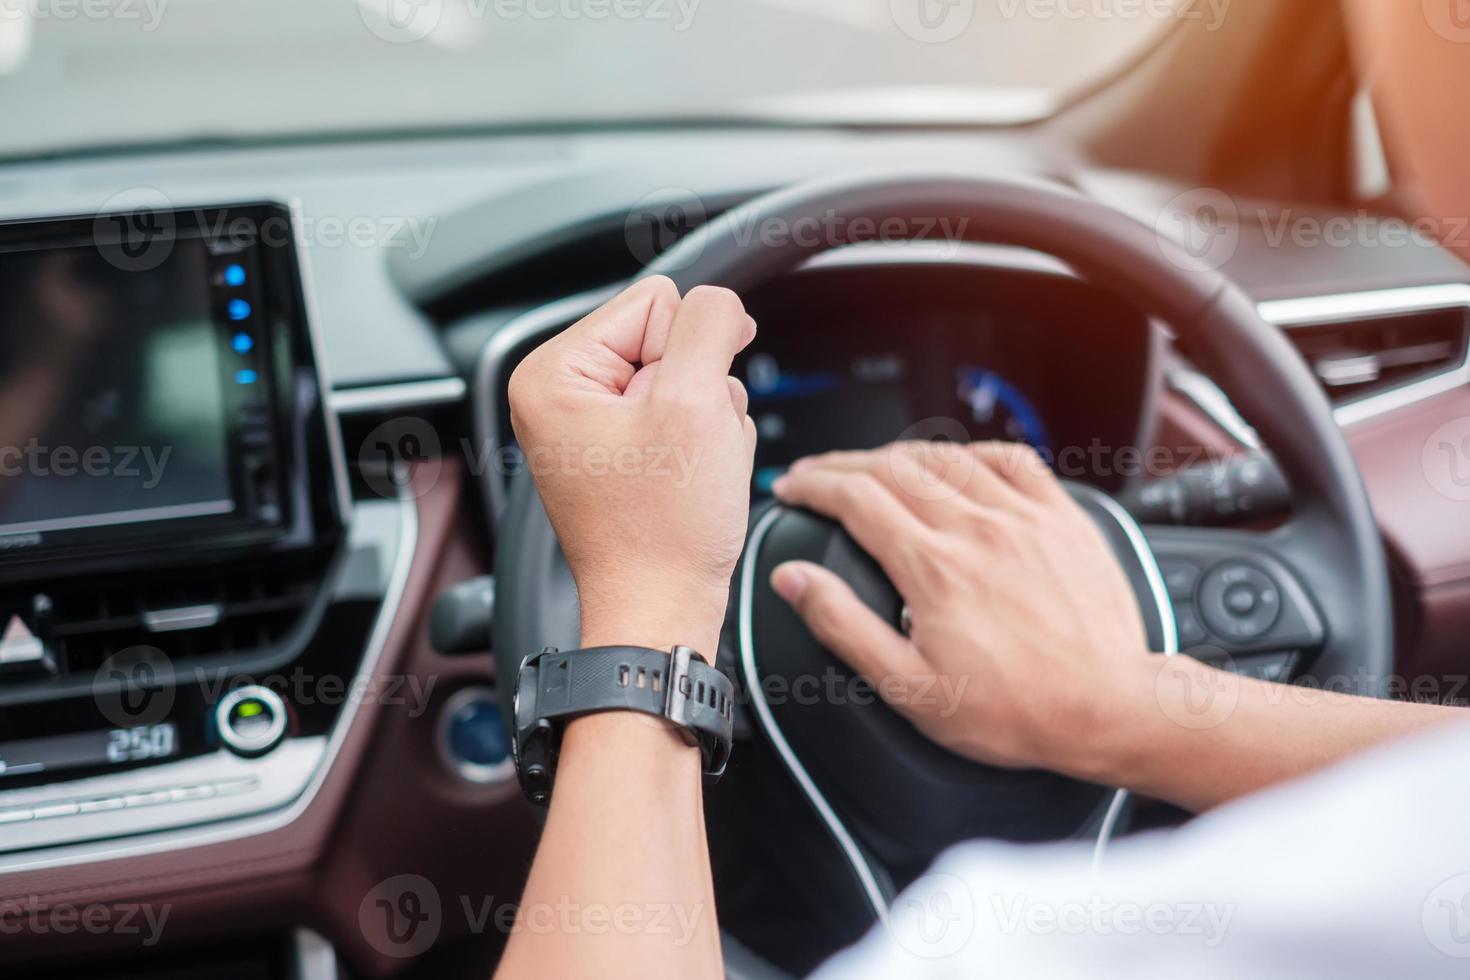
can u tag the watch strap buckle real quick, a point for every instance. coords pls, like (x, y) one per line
(678, 689)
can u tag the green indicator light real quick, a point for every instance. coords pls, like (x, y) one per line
(249, 709)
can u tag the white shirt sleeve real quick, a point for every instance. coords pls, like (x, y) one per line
(1362, 871)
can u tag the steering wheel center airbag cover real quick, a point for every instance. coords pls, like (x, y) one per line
(901, 795)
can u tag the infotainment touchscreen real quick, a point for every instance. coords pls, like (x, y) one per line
(114, 400)
(159, 393)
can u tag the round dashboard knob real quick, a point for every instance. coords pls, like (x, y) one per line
(251, 720)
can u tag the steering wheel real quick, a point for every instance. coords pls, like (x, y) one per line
(1318, 584)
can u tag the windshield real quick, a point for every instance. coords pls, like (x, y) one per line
(78, 73)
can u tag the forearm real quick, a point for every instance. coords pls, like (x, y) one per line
(1199, 737)
(621, 884)
(642, 380)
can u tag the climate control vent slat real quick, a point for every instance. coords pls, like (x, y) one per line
(1371, 356)
(186, 615)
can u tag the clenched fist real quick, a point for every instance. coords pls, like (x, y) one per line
(641, 448)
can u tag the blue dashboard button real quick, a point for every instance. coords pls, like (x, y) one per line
(477, 735)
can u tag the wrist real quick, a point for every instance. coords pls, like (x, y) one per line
(652, 632)
(659, 618)
(1169, 713)
(1121, 725)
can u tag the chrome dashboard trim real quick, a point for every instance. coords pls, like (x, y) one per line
(319, 354)
(315, 957)
(389, 398)
(1205, 395)
(1309, 311)
(236, 828)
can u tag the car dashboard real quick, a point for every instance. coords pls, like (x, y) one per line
(426, 270)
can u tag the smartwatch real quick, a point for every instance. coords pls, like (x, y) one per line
(554, 687)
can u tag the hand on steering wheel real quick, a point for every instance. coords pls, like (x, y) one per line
(1018, 605)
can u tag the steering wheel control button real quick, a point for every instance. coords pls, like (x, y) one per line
(1180, 578)
(1239, 601)
(251, 720)
(1277, 669)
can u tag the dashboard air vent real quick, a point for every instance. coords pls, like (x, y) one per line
(227, 613)
(1362, 358)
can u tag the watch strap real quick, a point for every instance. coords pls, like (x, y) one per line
(580, 682)
(677, 686)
